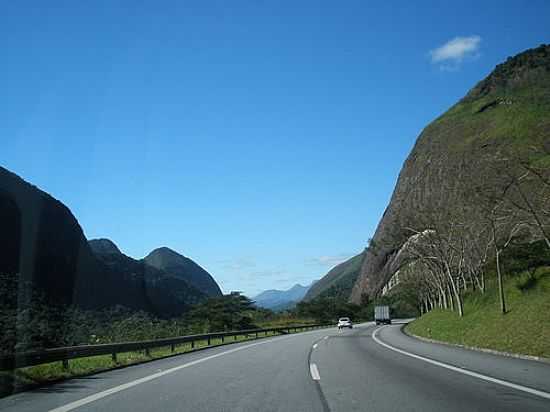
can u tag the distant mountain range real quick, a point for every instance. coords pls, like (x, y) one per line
(42, 241)
(281, 299)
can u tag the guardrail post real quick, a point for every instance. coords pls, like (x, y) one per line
(234, 337)
(223, 339)
(113, 357)
(147, 352)
(192, 344)
(65, 363)
(256, 335)
(172, 348)
(209, 341)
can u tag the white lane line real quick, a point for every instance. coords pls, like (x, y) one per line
(522, 388)
(325, 338)
(92, 398)
(314, 372)
(315, 346)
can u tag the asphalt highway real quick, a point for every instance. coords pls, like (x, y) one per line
(368, 368)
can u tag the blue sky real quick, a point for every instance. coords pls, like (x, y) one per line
(261, 139)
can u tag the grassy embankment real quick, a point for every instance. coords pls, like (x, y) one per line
(524, 329)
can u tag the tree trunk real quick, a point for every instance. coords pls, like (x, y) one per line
(458, 301)
(456, 292)
(500, 285)
(450, 298)
(445, 303)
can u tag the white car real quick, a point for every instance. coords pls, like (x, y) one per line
(344, 323)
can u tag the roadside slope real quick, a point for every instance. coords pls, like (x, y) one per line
(525, 329)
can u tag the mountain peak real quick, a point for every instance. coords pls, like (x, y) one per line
(515, 71)
(182, 267)
(164, 256)
(104, 247)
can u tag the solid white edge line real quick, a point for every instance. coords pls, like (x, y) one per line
(92, 398)
(314, 372)
(516, 386)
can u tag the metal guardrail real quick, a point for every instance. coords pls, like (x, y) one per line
(23, 359)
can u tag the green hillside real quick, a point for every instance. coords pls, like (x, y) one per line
(339, 281)
(524, 329)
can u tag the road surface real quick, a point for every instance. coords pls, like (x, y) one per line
(369, 368)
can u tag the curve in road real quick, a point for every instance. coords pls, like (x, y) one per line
(364, 369)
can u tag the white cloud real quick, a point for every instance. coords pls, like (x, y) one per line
(329, 260)
(455, 50)
(269, 273)
(237, 264)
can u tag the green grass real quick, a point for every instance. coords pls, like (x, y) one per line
(285, 322)
(524, 329)
(24, 378)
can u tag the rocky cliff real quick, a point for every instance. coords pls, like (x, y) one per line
(507, 112)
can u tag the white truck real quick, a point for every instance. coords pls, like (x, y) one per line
(382, 315)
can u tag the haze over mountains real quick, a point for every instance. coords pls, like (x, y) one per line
(281, 299)
(42, 243)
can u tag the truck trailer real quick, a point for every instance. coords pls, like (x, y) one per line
(382, 315)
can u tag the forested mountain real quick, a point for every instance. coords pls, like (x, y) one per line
(169, 295)
(183, 268)
(44, 247)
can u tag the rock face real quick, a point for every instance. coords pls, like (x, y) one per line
(183, 268)
(42, 242)
(509, 111)
(338, 281)
(281, 299)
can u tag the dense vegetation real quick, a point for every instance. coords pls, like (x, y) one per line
(39, 324)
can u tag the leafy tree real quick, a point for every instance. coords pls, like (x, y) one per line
(224, 313)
